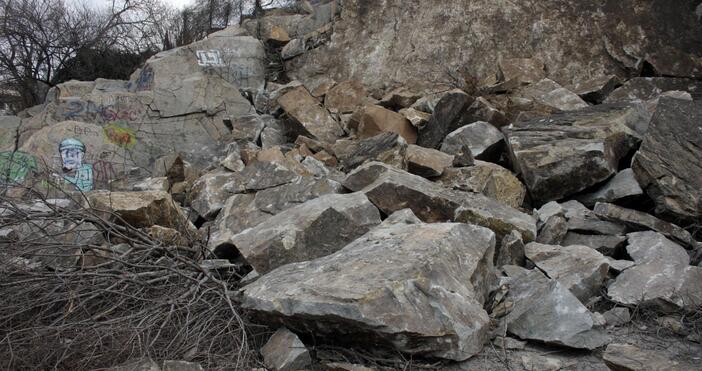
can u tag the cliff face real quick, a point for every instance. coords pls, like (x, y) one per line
(389, 42)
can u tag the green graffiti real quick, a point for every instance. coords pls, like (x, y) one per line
(14, 167)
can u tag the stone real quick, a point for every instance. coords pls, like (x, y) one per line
(511, 251)
(617, 316)
(292, 49)
(483, 110)
(181, 366)
(550, 94)
(648, 88)
(618, 266)
(366, 174)
(485, 141)
(389, 148)
(278, 36)
(399, 98)
(639, 221)
(553, 231)
(566, 153)
(285, 352)
(463, 157)
(427, 162)
(509, 343)
(312, 118)
(345, 97)
(395, 190)
(168, 236)
(404, 216)
(580, 269)
(152, 184)
(373, 120)
(246, 128)
(343, 366)
(433, 278)
(139, 209)
(417, 118)
(262, 175)
(667, 165)
(209, 193)
(492, 180)
(606, 245)
(271, 137)
(447, 117)
(621, 187)
(518, 71)
(145, 364)
(537, 362)
(311, 230)
(627, 357)
(428, 103)
(596, 89)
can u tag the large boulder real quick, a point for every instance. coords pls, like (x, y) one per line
(667, 166)
(418, 289)
(139, 209)
(448, 116)
(569, 152)
(485, 141)
(550, 94)
(345, 97)
(622, 187)
(427, 162)
(647, 88)
(308, 113)
(389, 148)
(490, 179)
(372, 120)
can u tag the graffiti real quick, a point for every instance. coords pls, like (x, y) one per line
(209, 58)
(85, 131)
(15, 166)
(120, 136)
(79, 109)
(104, 171)
(76, 172)
(146, 79)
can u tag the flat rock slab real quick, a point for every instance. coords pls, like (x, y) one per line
(139, 209)
(389, 148)
(647, 88)
(487, 178)
(372, 120)
(418, 289)
(427, 162)
(625, 357)
(485, 141)
(310, 115)
(622, 186)
(285, 352)
(447, 117)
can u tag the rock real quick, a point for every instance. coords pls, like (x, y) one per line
(292, 49)
(617, 316)
(145, 364)
(428, 102)
(667, 165)
(627, 357)
(618, 266)
(606, 245)
(285, 352)
(306, 111)
(446, 118)
(427, 162)
(621, 187)
(483, 110)
(489, 179)
(181, 366)
(549, 93)
(343, 366)
(648, 88)
(345, 97)
(511, 251)
(168, 236)
(595, 90)
(485, 141)
(433, 278)
(464, 158)
(553, 231)
(311, 230)
(580, 269)
(262, 175)
(247, 128)
(509, 343)
(518, 71)
(271, 137)
(404, 216)
(639, 221)
(152, 184)
(389, 148)
(537, 362)
(395, 190)
(209, 193)
(545, 310)
(569, 152)
(399, 98)
(417, 118)
(278, 36)
(139, 209)
(373, 120)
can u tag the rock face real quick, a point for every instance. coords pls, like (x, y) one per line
(485, 141)
(630, 358)
(427, 162)
(667, 166)
(447, 117)
(314, 229)
(622, 186)
(489, 179)
(139, 209)
(568, 152)
(310, 115)
(285, 352)
(387, 147)
(418, 289)
(373, 120)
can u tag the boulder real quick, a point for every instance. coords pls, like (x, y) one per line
(596, 89)
(580, 269)
(667, 164)
(483, 110)
(209, 193)
(139, 209)
(648, 88)
(569, 152)
(447, 117)
(517, 71)
(180, 366)
(606, 245)
(617, 316)
(404, 216)
(389, 148)
(246, 128)
(431, 278)
(623, 186)
(373, 120)
(285, 352)
(397, 99)
(550, 94)
(627, 357)
(311, 117)
(489, 179)
(311, 230)
(427, 162)
(553, 231)
(511, 251)
(345, 97)
(485, 141)
(417, 118)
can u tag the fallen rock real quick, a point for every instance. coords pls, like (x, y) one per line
(399, 98)
(489, 179)
(569, 152)
(485, 141)
(404, 216)
(509, 343)
(139, 209)
(483, 110)
(617, 316)
(517, 71)
(209, 193)
(606, 245)
(541, 363)
(311, 230)
(427, 162)
(667, 164)
(181, 366)
(312, 118)
(345, 97)
(285, 352)
(389, 148)
(145, 364)
(621, 187)
(627, 357)
(373, 120)
(417, 118)
(511, 251)
(447, 117)
(595, 90)
(549, 93)
(432, 278)
(553, 231)
(648, 88)
(246, 128)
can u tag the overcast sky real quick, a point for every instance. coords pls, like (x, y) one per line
(176, 3)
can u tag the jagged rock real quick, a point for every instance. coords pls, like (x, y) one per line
(152, 184)
(483, 110)
(427, 162)
(647, 88)
(366, 174)
(509, 343)
(447, 117)
(606, 245)
(518, 71)
(639, 221)
(139, 209)
(545, 310)
(569, 152)
(181, 366)
(595, 90)
(617, 316)
(345, 97)
(620, 187)
(395, 190)
(389, 148)
(667, 164)
(314, 229)
(464, 158)
(209, 193)
(9, 125)
(285, 352)
(404, 216)
(428, 102)
(271, 137)
(246, 128)
(262, 175)
(168, 236)
(541, 363)
(485, 141)
(373, 120)
(343, 366)
(618, 266)
(580, 269)
(511, 250)
(433, 278)
(585, 221)
(146, 364)
(625, 357)
(293, 48)
(417, 118)
(553, 231)
(549, 93)
(399, 98)
(306, 111)
(489, 179)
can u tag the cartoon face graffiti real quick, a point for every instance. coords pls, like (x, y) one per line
(75, 171)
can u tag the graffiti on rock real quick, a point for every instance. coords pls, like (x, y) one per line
(146, 79)
(15, 166)
(78, 109)
(118, 135)
(207, 58)
(76, 172)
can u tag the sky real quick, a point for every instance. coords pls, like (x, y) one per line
(176, 3)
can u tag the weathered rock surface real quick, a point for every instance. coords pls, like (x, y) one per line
(596, 89)
(606, 245)
(622, 186)
(569, 152)
(550, 94)
(285, 352)
(310, 115)
(667, 166)
(427, 162)
(625, 357)
(372, 120)
(553, 231)
(647, 88)
(492, 180)
(402, 97)
(139, 209)
(447, 117)
(209, 193)
(314, 229)
(416, 288)
(345, 97)
(485, 141)
(389, 148)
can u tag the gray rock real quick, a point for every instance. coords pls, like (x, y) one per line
(647, 88)
(293, 49)
(209, 193)
(630, 358)
(485, 141)
(366, 174)
(511, 251)
(553, 231)
(618, 266)
(389, 148)
(622, 186)
(509, 343)
(285, 352)
(145, 364)
(431, 278)
(483, 110)
(399, 98)
(416, 117)
(404, 216)
(427, 162)
(181, 366)
(139, 209)
(246, 128)
(537, 362)
(311, 117)
(549, 93)
(606, 245)
(569, 152)
(617, 316)
(271, 137)
(263, 175)
(311, 230)
(490, 179)
(595, 90)
(447, 117)
(345, 97)
(667, 164)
